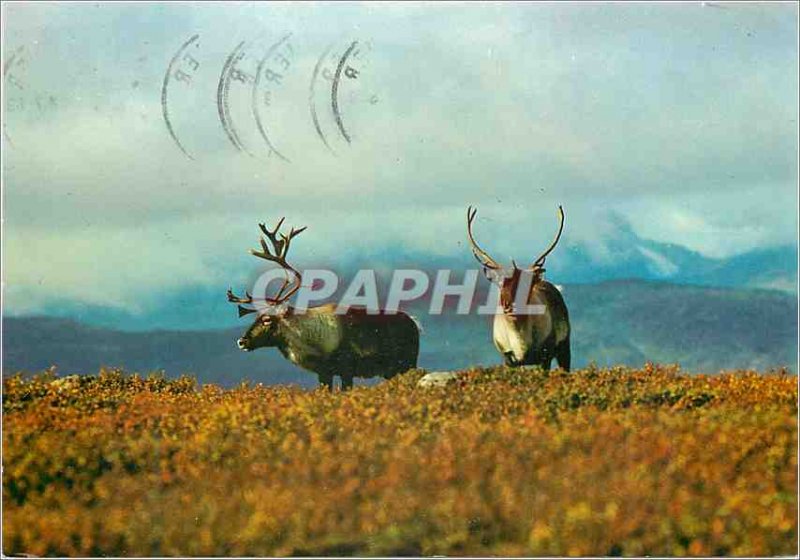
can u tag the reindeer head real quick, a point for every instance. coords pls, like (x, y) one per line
(261, 334)
(269, 310)
(509, 280)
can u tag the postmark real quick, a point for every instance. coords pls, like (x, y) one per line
(341, 86)
(23, 96)
(229, 70)
(255, 101)
(272, 68)
(246, 80)
(181, 69)
(351, 73)
(312, 98)
(11, 80)
(253, 83)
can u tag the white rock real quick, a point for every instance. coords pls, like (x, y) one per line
(437, 378)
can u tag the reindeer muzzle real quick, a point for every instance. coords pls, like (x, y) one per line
(510, 360)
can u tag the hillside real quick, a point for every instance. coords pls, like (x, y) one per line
(503, 462)
(617, 322)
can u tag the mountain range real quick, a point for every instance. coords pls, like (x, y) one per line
(642, 300)
(629, 322)
(202, 305)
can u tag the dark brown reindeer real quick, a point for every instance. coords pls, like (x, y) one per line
(350, 344)
(527, 338)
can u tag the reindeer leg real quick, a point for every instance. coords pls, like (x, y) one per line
(563, 354)
(539, 358)
(544, 357)
(347, 382)
(326, 380)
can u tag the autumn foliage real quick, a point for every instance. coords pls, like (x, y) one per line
(505, 462)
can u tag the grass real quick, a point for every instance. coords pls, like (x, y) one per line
(505, 462)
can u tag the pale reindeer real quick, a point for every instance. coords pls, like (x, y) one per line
(527, 338)
(351, 344)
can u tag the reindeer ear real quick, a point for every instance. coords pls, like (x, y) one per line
(244, 311)
(494, 275)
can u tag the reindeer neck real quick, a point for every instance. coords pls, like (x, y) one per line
(311, 328)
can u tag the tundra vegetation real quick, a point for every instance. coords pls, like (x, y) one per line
(503, 461)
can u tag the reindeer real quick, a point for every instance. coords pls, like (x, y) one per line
(527, 338)
(351, 344)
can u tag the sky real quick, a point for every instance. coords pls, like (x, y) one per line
(679, 118)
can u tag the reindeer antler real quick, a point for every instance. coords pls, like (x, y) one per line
(538, 264)
(280, 248)
(246, 300)
(280, 245)
(480, 255)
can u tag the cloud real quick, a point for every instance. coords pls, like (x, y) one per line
(681, 120)
(121, 269)
(718, 224)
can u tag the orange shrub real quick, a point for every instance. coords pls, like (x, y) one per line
(506, 462)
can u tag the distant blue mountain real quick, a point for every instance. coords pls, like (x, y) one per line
(615, 322)
(200, 306)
